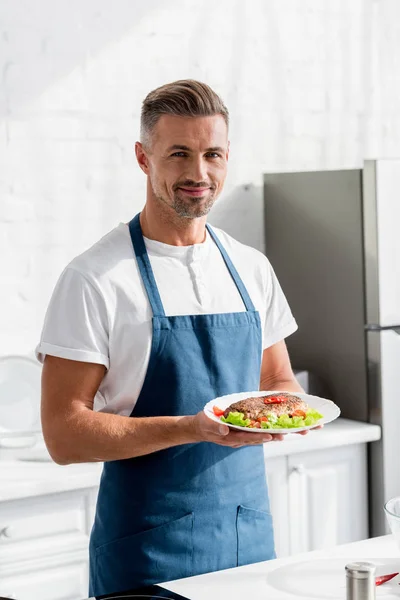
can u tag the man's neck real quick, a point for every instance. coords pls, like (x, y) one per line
(163, 225)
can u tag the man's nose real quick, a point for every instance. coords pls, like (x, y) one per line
(198, 170)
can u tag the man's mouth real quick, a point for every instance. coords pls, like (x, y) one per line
(194, 192)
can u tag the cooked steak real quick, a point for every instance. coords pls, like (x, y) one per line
(254, 408)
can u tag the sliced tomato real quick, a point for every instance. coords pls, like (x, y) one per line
(275, 400)
(384, 578)
(261, 419)
(299, 413)
(217, 411)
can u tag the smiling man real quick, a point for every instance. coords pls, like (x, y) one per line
(157, 318)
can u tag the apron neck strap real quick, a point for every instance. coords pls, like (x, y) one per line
(145, 267)
(232, 270)
(147, 275)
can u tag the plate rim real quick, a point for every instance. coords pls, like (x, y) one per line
(20, 358)
(382, 565)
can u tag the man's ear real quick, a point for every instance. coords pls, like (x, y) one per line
(142, 157)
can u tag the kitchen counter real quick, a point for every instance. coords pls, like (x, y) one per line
(341, 432)
(24, 479)
(267, 581)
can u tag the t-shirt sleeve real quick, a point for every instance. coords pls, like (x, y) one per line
(279, 321)
(76, 323)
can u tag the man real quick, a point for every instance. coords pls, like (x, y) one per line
(160, 316)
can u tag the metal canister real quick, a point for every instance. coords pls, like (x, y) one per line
(360, 581)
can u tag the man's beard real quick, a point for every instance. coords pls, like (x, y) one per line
(188, 208)
(192, 208)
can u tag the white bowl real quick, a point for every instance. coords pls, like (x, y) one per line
(392, 512)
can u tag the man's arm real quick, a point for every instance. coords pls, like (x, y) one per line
(276, 370)
(75, 433)
(277, 373)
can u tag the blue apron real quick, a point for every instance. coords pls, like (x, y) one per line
(193, 508)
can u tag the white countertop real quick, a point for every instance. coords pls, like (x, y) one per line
(341, 432)
(259, 582)
(22, 479)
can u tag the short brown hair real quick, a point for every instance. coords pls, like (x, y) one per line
(183, 98)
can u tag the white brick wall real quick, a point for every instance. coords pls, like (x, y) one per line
(309, 83)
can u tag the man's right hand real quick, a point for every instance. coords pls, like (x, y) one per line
(207, 430)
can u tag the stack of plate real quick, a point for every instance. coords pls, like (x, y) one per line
(19, 403)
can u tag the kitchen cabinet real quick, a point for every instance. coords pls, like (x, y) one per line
(44, 545)
(319, 498)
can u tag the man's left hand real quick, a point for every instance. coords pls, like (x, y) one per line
(280, 436)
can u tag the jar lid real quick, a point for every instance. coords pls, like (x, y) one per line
(360, 570)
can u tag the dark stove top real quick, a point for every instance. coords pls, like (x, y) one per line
(151, 592)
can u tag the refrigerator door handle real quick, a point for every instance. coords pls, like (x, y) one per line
(378, 328)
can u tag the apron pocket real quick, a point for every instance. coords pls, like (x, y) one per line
(152, 556)
(255, 536)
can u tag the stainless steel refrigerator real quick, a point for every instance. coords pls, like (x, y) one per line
(333, 238)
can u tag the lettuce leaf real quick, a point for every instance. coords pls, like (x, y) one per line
(274, 422)
(236, 418)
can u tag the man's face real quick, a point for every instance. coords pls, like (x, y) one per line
(187, 162)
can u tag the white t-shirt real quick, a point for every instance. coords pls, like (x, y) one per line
(99, 311)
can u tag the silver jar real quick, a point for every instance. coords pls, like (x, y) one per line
(360, 581)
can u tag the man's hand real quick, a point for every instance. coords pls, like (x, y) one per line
(207, 430)
(307, 430)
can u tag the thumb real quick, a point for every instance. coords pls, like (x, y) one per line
(223, 429)
(212, 426)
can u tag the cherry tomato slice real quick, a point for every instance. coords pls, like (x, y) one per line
(299, 413)
(275, 400)
(261, 419)
(217, 411)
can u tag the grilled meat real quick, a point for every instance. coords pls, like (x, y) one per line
(254, 408)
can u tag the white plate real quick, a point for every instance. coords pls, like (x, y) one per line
(327, 408)
(19, 395)
(326, 578)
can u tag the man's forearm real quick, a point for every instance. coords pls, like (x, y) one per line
(88, 436)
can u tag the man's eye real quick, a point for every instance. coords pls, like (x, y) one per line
(179, 154)
(214, 155)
